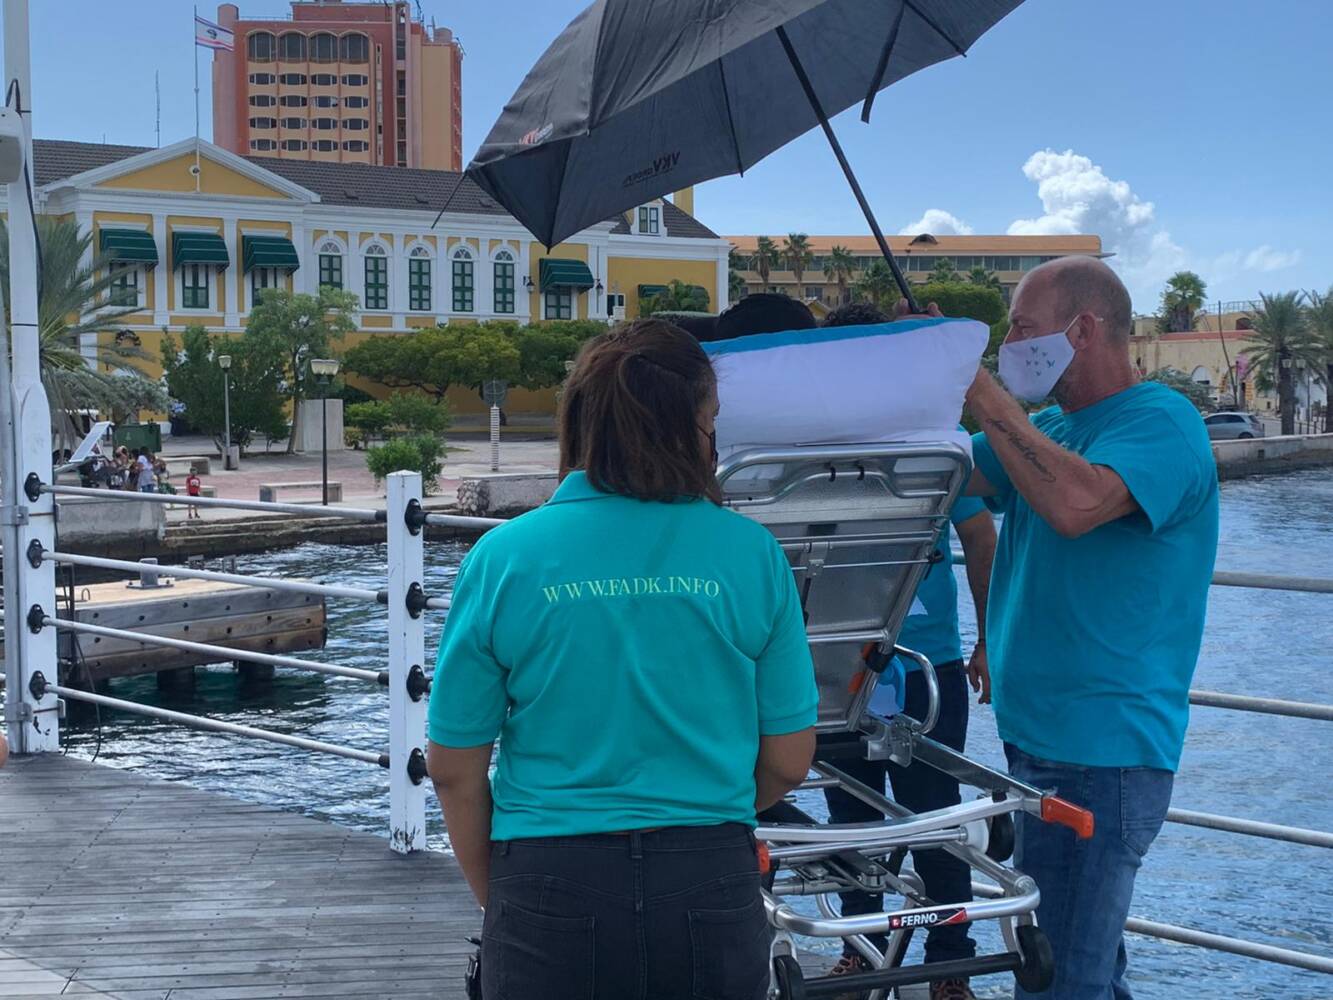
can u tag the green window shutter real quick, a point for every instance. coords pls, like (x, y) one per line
(418, 284)
(377, 283)
(504, 287)
(463, 285)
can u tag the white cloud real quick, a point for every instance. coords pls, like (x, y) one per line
(1266, 259)
(1078, 197)
(937, 222)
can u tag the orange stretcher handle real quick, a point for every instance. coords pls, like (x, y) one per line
(1056, 810)
(765, 859)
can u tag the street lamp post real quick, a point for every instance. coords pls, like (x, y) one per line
(324, 369)
(224, 362)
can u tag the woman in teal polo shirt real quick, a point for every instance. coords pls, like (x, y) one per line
(640, 653)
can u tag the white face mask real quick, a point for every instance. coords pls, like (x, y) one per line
(1030, 368)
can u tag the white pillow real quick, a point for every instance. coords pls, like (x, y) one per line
(901, 381)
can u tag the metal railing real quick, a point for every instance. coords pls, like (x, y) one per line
(403, 594)
(1235, 824)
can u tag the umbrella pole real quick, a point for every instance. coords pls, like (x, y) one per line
(847, 170)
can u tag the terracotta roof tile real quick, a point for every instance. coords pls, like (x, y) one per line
(944, 244)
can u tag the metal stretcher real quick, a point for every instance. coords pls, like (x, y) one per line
(859, 524)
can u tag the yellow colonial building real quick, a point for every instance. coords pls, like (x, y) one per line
(193, 233)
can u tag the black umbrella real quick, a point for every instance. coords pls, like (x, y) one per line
(638, 98)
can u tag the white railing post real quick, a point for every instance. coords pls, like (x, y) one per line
(407, 650)
(37, 721)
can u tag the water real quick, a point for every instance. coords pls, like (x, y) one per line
(1257, 642)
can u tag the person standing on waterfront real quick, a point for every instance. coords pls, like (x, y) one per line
(146, 476)
(1097, 599)
(933, 632)
(641, 654)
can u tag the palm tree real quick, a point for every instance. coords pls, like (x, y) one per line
(839, 267)
(764, 260)
(987, 279)
(796, 252)
(943, 273)
(678, 297)
(1281, 336)
(1320, 314)
(878, 285)
(1181, 301)
(72, 301)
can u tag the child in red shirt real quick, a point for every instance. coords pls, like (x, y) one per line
(192, 489)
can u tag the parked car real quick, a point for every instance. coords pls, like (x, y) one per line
(1228, 426)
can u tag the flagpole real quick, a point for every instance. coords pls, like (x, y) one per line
(194, 27)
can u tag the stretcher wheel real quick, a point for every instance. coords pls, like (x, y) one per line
(1038, 969)
(790, 979)
(1000, 843)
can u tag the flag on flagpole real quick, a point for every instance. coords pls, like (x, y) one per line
(212, 36)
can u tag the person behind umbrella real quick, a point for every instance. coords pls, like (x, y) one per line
(640, 652)
(934, 632)
(1097, 599)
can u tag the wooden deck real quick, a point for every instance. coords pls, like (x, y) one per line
(113, 884)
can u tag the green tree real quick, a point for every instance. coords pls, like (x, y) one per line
(543, 349)
(986, 279)
(72, 301)
(402, 413)
(1320, 316)
(877, 285)
(300, 327)
(796, 252)
(763, 261)
(1196, 392)
(736, 263)
(840, 266)
(678, 297)
(194, 378)
(434, 359)
(1280, 337)
(963, 299)
(419, 453)
(735, 286)
(1181, 301)
(943, 273)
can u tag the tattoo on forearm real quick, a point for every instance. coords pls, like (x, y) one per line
(1025, 449)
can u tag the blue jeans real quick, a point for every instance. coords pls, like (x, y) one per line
(1087, 885)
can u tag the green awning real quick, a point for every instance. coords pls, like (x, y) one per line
(556, 273)
(128, 245)
(198, 248)
(268, 251)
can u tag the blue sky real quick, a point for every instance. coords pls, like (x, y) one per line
(1187, 133)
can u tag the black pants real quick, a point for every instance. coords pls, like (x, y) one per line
(920, 788)
(669, 914)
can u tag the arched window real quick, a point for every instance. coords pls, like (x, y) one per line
(259, 46)
(504, 281)
(463, 279)
(355, 48)
(323, 48)
(419, 279)
(291, 47)
(330, 264)
(1201, 375)
(377, 277)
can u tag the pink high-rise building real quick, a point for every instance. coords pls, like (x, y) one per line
(340, 82)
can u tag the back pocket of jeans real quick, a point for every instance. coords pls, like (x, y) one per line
(1145, 796)
(539, 955)
(730, 952)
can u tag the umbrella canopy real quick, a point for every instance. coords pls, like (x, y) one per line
(635, 100)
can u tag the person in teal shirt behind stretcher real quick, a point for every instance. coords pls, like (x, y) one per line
(641, 654)
(1097, 598)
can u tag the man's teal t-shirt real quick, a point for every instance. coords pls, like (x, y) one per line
(628, 655)
(1093, 640)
